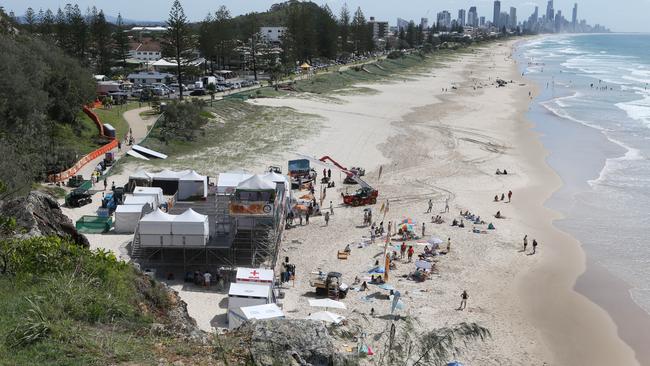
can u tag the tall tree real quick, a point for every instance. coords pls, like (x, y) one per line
(46, 22)
(121, 41)
(102, 44)
(30, 19)
(359, 32)
(344, 28)
(326, 31)
(410, 34)
(178, 44)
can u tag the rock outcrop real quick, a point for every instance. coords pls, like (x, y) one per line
(38, 214)
(291, 342)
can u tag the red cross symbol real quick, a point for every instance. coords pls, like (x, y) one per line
(254, 273)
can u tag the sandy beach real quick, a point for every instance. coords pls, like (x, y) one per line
(442, 135)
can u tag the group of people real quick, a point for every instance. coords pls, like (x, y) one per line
(503, 197)
(200, 278)
(437, 219)
(526, 245)
(501, 172)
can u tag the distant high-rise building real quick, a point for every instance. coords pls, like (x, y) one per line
(402, 24)
(461, 17)
(559, 19)
(497, 13)
(424, 23)
(549, 10)
(504, 20)
(472, 17)
(481, 22)
(444, 20)
(574, 18)
(513, 17)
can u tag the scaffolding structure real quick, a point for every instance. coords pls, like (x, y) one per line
(235, 240)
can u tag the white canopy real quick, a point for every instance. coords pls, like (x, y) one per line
(156, 223)
(277, 178)
(191, 185)
(227, 182)
(327, 303)
(190, 222)
(138, 200)
(167, 174)
(266, 311)
(327, 317)
(140, 175)
(155, 192)
(249, 290)
(256, 183)
(129, 208)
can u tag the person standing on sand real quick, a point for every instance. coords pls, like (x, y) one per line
(105, 183)
(430, 206)
(463, 300)
(402, 250)
(423, 230)
(525, 242)
(503, 196)
(410, 252)
(509, 196)
(448, 245)
(307, 218)
(329, 173)
(331, 209)
(447, 205)
(327, 218)
(534, 246)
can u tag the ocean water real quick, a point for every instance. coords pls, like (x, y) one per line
(594, 114)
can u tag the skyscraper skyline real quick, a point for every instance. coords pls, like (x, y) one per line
(497, 13)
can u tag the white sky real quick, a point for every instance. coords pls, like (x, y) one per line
(620, 15)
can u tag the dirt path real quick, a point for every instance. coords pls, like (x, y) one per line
(139, 127)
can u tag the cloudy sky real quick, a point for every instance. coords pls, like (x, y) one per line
(620, 15)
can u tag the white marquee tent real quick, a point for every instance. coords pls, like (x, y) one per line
(147, 201)
(127, 217)
(227, 182)
(190, 229)
(192, 185)
(156, 229)
(277, 178)
(256, 183)
(155, 192)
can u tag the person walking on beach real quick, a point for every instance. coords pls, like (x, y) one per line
(503, 197)
(329, 173)
(410, 252)
(331, 209)
(463, 300)
(447, 205)
(430, 206)
(307, 218)
(423, 230)
(509, 196)
(534, 246)
(327, 218)
(525, 242)
(105, 183)
(402, 250)
(448, 245)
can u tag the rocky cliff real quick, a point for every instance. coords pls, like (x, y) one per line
(38, 214)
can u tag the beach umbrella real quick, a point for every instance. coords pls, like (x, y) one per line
(409, 221)
(327, 303)
(327, 317)
(387, 287)
(435, 240)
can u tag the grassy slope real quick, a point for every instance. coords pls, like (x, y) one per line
(83, 308)
(84, 139)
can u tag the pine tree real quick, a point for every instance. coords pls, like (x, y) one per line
(326, 33)
(344, 28)
(102, 44)
(121, 41)
(30, 19)
(359, 32)
(179, 44)
(46, 23)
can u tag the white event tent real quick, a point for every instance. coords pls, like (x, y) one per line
(192, 185)
(156, 229)
(227, 182)
(127, 217)
(155, 192)
(190, 229)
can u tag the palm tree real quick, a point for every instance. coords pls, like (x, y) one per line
(435, 347)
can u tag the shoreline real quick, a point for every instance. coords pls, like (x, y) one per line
(596, 283)
(586, 333)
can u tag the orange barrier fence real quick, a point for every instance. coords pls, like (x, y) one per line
(95, 119)
(82, 162)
